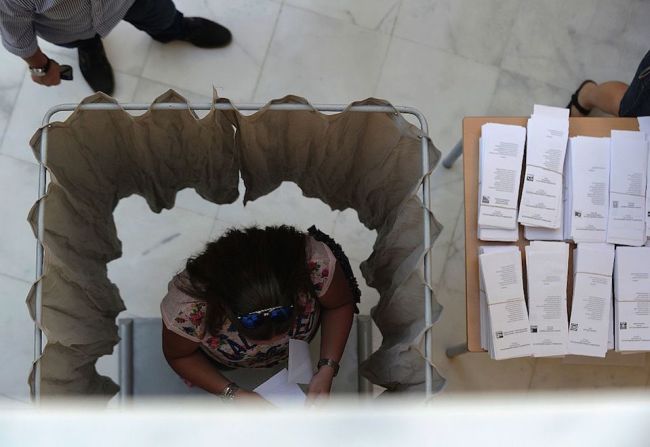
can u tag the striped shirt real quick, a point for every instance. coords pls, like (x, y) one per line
(57, 21)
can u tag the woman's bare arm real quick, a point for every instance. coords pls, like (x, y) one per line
(185, 357)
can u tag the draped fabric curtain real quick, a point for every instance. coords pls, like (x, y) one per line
(370, 162)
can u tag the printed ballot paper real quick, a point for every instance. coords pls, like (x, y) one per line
(632, 298)
(280, 392)
(592, 295)
(627, 188)
(500, 172)
(644, 126)
(489, 233)
(504, 292)
(541, 198)
(484, 319)
(587, 189)
(547, 266)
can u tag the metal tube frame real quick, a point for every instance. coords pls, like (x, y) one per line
(42, 183)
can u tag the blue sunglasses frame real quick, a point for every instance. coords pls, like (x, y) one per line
(255, 319)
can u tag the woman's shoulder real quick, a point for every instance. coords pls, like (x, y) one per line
(321, 263)
(181, 312)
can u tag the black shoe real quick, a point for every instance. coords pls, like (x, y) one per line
(205, 33)
(95, 67)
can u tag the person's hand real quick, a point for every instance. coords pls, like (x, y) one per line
(52, 77)
(250, 397)
(320, 385)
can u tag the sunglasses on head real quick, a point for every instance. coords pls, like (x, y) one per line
(278, 314)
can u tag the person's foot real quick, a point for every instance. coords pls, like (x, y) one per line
(576, 105)
(205, 33)
(95, 68)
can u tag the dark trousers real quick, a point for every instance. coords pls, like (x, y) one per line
(158, 18)
(636, 101)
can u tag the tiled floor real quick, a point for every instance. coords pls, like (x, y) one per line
(449, 58)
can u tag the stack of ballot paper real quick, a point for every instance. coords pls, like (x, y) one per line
(626, 223)
(644, 126)
(632, 298)
(586, 175)
(591, 319)
(547, 265)
(508, 325)
(541, 200)
(501, 151)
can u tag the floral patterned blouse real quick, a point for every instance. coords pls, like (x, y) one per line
(185, 316)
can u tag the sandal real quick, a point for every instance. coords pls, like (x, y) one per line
(574, 100)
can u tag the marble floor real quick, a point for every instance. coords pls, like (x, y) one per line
(449, 58)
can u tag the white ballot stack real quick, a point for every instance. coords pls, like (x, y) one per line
(627, 188)
(590, 323)
(501, 273)
(587, 189)
(501, 155)
(490, 233)
(547, 265)
(541, 199)
(591, 191)
(632, 298)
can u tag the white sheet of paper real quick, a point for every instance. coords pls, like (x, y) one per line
(486, 338)
(627, 202)
(644, 124)
(489, 233)
(280, 392)
(589, 178)
(592, 294)
(300, 365)
(500, 172)
(547, 272)
(547, 136)
(502, 278)
(632, 298)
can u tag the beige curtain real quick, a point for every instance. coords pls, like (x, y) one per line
(366, 161)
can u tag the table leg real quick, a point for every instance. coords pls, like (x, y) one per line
(457, 350)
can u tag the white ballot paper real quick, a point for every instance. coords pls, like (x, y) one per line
(489, 233)
(627, 188)
(587, 175)
(484, 319)
(592, 294)
(500, 172)
(541, 199)
(547, 265)
(504, 292)
(280, 392)
(632, 298)
(300, 364)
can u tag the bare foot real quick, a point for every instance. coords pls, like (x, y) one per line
(583, 95)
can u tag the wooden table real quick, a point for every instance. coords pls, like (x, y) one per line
(596, 127)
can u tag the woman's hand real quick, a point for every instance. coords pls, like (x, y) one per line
(320, 385)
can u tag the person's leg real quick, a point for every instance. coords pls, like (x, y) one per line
(636, 101)
(93, 63)
(164, 23)
(606, 97)
(158, 18)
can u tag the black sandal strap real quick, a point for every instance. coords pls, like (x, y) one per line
(574, 99)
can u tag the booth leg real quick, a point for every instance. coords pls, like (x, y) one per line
(457, 350)
(454, 155)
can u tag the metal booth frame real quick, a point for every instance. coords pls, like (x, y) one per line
(252, 107)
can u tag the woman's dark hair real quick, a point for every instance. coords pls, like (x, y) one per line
(247, 270)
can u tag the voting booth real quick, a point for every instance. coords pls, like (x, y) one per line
(367, 157)
(535, 249)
